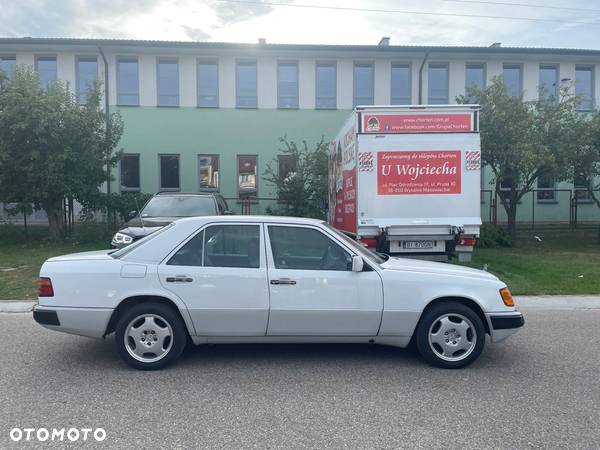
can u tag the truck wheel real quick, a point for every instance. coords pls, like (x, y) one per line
(150, 336)
(450, 335)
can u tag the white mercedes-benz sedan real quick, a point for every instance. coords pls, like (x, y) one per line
(243, 279)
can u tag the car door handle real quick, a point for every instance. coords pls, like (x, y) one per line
(179, 279)
(283, 281)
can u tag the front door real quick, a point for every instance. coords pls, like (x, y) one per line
(313, 288)
(221, 275)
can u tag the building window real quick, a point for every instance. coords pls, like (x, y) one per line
(208, 84)
(169, 172)
(45, 67)
(247, 181)
(87, 75)
(581, 183)
(168, 82)
(363, 84)
(512, 75)
(401, 84)
(8, 65)
(128, 87)
(548, 87)
(474, 77)
(287, 85)
(438, 84)
(584, 87)
(208, 172)
(326, 74)
(287, 165)
(246, 85)
(130, 172)
(546, 185)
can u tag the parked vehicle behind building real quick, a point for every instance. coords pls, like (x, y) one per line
(407, 180)
(164, 208)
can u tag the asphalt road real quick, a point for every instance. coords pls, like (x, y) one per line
(541, 388)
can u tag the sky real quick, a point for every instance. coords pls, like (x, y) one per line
(554, 23)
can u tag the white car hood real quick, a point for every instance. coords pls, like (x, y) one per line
(416, 265)
(95, 255)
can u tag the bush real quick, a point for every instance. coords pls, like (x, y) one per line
(493, 236)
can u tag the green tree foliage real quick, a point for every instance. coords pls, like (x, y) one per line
(51, 147)
(521, 141)
(303, 192)
(584, 159)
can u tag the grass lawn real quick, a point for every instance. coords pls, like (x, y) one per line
(555, 265)
(552, 266)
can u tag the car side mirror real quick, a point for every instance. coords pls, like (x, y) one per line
(357, 264)
(132, 214)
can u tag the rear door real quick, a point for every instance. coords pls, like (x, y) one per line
(221, 275)
(313, 288)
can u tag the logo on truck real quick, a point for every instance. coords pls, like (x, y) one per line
(373, 124)
(365, 162)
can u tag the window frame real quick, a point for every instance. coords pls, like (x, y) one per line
(255, 195)
(167, 60)
(280, 157)
(160, 187)
(332, 64)
(78, 91)
(509, 65)
(128, 189)
(46, 57)
(294, 63)
(209, 189)
(556, 68)
(9, 57)
(438, 65)
(585, 196)
(245, 62)
(551, 189)
(592, 69)
(400, 64)
(475, 64)
(356, 64)
(208, 62)
(123, 59)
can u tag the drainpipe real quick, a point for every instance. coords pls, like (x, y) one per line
(108, 130)
(421, 77)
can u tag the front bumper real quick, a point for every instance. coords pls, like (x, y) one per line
(504, 325)
(90, 322)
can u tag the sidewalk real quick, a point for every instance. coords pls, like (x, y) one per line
(525, 302)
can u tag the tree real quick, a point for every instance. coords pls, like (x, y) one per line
(51, 147)
(301, 192)
(521, 141)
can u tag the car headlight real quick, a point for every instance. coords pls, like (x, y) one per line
(120, 239)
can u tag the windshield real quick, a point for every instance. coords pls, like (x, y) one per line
(373, 257)
(179, 206)
(123, 251)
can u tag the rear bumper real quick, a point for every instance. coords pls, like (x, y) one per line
(90, 322)
(505, 325)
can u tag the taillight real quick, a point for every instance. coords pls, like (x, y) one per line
(369, 242)
(45, 287)
(468, 242)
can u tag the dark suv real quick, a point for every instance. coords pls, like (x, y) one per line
(164, 208)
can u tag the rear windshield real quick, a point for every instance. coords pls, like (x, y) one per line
(123, 251)
(179, 206)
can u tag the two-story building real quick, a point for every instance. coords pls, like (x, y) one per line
(208, 115)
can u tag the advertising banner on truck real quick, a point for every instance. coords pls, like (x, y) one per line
(342, 181)
(417, 123)
(418, 172)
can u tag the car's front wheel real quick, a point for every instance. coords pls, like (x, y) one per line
(150, 336)
(450, 335)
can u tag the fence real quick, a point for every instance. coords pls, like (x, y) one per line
(572, 207)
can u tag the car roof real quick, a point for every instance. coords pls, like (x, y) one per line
(253, 219)
(202, 194)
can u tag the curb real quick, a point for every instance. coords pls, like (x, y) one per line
(16, 306)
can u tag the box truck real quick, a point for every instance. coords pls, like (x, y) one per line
(406, 180)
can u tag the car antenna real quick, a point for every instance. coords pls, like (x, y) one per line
(137, 205)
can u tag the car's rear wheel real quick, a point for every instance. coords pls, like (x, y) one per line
(150, 336)
(450, 335)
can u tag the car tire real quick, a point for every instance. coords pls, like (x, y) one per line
(150, 336)
(450, 335)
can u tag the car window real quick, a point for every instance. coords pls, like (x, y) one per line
(306, 249)
(232, 246)
(179, 206)
(190, 254)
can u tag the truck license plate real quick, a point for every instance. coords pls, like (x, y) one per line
(417, 245)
